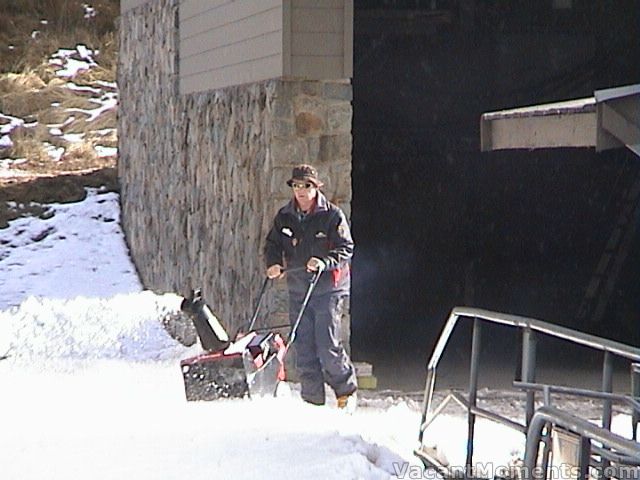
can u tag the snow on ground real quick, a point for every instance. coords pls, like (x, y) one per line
(92, 387)
(79, 250)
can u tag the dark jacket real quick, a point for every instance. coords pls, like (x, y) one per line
(322, 233)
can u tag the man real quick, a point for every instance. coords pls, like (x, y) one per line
(312, 233)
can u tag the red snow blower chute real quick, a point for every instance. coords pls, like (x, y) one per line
(251, 364)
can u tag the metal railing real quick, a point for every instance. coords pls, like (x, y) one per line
(531, 328)
(614, 450)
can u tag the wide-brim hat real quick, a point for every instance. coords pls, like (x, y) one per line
(305, 173)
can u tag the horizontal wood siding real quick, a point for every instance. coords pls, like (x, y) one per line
(232, 42)
(229, 42)
(255, 26)
(319, 20)
(315, 44)
(319, 45)
(239, 74)
(318, 67)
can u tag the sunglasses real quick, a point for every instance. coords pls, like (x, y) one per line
(300, 186)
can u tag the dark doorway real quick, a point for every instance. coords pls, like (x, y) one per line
(439, 224)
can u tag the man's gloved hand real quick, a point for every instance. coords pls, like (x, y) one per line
(275, 271)
(314, 264)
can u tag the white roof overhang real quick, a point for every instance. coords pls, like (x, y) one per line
(609, 119)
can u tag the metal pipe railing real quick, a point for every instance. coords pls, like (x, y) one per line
(531, 327)
(580, 392)
(621, 447)
(550, 329)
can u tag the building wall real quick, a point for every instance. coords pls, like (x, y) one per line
(230, 42)
(321, 41)
(203, 174)
(126, 5)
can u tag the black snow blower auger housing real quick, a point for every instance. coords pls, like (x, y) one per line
(252, 364)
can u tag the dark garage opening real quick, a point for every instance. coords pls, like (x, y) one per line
(439, 224)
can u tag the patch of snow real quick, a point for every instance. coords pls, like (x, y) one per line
(84, 255)
(105, 131)
(123, 327)
(106, 151)
(35, 34)
(73, 137)
(110, 85)
(5, 141)
(107, 102)
(7, 171)
(55, 131)
(89, 11)
(82, 88)
(72, 61)
(54, 152)
(12, 122)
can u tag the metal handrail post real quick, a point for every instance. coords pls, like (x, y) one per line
(607, 386)
(584, 458)
(529, 368)
(635, 392)
(476, 345)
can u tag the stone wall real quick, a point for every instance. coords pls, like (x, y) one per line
(202, 175)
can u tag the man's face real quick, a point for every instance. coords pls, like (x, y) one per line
(304, 192)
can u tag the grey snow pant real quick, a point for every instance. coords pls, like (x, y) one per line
(320, 356)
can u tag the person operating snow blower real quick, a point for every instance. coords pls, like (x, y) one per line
(311, 232)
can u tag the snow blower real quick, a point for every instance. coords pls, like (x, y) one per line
(253, 364)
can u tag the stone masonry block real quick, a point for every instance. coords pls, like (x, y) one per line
(311, 87)
(308, 104)
(282, 108)
(335, 147)
(288, 150)
(278, 181)
(339, 116)
(309, 123)
(313, 146)
(338, 91)
(283, 127)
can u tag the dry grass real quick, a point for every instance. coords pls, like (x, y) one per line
(66, 27)
(23, 102)
(20, 82)
(107, 139)
(30, 89)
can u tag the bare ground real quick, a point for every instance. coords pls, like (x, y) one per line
(23, 195)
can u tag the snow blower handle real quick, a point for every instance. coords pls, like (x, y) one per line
(312, 285)
(257, 309)
(261, 296)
